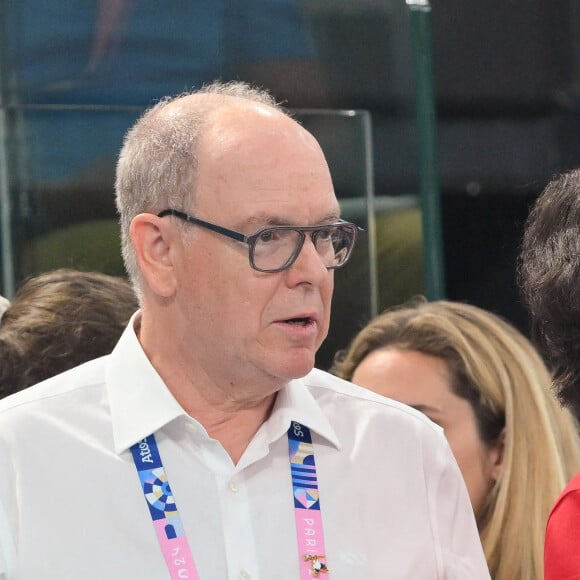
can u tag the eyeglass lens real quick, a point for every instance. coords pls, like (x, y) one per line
(274, 247)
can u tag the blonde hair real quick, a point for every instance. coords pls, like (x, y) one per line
(499, 372)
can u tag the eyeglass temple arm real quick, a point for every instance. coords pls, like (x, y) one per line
(215, 228)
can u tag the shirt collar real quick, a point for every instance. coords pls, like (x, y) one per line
(142, 404)
(295, 402)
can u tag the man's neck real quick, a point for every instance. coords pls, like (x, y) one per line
(234, 429)
(231, 411)
(231, 420)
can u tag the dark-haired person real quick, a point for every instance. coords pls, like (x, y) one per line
(58, 320)
(549, 273)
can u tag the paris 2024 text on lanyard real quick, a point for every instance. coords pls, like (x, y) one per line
(169, 528)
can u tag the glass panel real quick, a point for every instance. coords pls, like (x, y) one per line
(63, 202)
(76, 75)
(346, 139)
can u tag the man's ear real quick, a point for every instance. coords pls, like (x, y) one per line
(152, 239)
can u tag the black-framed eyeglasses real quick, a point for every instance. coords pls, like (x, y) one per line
(276, 248)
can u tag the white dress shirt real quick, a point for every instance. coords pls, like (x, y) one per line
(393, 502)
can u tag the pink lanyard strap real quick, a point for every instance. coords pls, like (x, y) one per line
(163, 509)
(306, 502)
(169, 528)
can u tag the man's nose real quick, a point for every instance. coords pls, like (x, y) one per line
(309, 264)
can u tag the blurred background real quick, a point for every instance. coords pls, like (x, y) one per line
(441, 123)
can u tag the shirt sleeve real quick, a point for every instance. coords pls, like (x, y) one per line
(453, 522)
(8, 516)
(561, 553)
(6, 545)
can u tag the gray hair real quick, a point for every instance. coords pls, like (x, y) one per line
(157, 166)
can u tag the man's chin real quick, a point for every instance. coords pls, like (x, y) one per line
(297, 366)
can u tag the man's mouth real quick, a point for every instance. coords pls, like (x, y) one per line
(299, 321)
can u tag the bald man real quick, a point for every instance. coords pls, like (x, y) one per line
(206, 445)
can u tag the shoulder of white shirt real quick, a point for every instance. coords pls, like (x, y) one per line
(324, 380)
(93, 373)
(81, 376)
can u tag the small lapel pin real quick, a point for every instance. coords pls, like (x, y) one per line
(317, 567)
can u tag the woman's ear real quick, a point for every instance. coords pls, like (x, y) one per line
(152, 239)
(496, 456)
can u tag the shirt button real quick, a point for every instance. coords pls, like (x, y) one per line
(234, 488)
(244, 575)
(192, 427)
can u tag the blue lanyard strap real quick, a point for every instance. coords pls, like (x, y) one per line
(169, 527)
(163, 510)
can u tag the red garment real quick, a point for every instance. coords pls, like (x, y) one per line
(561, 553)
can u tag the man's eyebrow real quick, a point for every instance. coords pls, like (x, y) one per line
(266, 220)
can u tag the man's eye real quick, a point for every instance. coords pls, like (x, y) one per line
(268, 236)
(325, 233)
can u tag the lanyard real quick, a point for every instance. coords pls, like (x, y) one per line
(306, 502)
(163, 510)
(169, 527)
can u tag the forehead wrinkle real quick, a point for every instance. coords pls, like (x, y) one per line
(267, 219)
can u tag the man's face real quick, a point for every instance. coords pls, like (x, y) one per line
(256, 169)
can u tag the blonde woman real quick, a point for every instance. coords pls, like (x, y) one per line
(483, 382)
